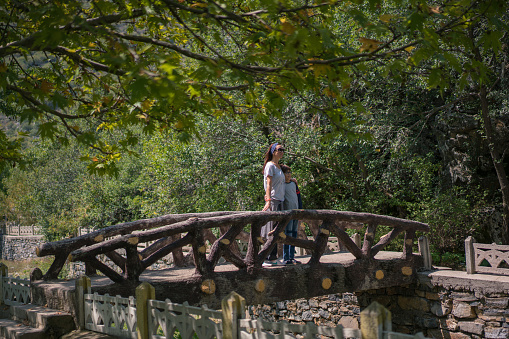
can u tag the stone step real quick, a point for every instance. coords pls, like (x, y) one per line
(53, 321)
(12, 329)
(35, 321)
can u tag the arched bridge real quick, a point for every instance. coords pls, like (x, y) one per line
(358, 268)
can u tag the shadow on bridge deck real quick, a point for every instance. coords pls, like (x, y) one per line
(337, 273)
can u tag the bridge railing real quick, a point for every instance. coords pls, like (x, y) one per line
(486, 258)
(172, 232)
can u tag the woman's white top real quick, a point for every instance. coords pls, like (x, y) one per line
(278, 181)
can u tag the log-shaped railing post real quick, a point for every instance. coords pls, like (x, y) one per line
(369, 238)
(409, 242)
(272, 240)
(133, 266)
(223, 246)
(320, 242)
(200, 253)
(253, 247)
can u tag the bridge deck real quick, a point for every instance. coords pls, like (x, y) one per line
(338, 258)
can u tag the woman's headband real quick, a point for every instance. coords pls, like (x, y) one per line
(273, 148)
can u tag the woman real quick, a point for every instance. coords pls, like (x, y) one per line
(274, 185)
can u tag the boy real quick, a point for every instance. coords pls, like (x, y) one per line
(292, 201)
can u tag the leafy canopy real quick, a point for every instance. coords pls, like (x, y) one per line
(83, 69)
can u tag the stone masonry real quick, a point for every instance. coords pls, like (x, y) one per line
(19, 247)
(442, 304)
(328, 310)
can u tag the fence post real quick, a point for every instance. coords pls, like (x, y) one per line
(470, 255)
(144, 292)
(375, 319)
(4, 272)
(424, 251)
(82, 286)
(234, 308)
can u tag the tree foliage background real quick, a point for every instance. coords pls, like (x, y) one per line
(392, 107)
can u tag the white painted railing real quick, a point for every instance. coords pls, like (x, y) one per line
(261, 329)
(14, 229)
(110, 315)
(166, 317)
(15, 290)
(486, 258)
(146, 318)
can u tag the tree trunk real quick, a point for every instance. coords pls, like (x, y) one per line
(497, 161)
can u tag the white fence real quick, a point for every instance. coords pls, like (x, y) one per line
(14, 229)
(15, 290)
(166, 317)
(251, 329)
(110, 315)
(146, 318)
(486, 258)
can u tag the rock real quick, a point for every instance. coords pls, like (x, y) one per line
(281, 305)
(458, 335)
(439, 309)
(307, 316)
(313, 303)
(497, 302)
(462, 310)
(291, 306)
(303, 305)
(413, 303)
(432, 296)
(461, 296)
(471, 327)
(324, 314)
(349, 322)
(452, 325)
(426, 322)
(496, 333)
(324, 305)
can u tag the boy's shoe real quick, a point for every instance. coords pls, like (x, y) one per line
(269, 263)
(296, 262)
(288, 262)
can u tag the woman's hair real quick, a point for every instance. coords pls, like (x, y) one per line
(268, 155)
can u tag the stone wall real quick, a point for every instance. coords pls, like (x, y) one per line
(328, 310)
(19, 247)
(451, 305)
(442, 304)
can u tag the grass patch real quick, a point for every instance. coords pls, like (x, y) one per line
(22, 268)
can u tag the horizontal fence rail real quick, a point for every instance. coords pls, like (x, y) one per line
(169, 234)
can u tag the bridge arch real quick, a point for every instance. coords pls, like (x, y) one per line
(321, 274)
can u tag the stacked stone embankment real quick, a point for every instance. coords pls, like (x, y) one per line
(328, 310)
(448, 304)
(442, 304)
(19, 247)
